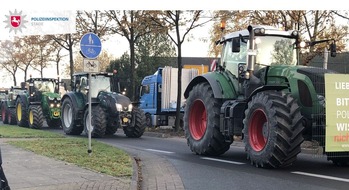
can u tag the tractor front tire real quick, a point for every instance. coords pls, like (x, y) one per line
(98, 122)
(21, 113)
(201, 122)
(111, 128)
(138, 119)
(272, 129)
(36, 117)
(68, 118)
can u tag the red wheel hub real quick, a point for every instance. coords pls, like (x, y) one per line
(258, 130)
(197, 120)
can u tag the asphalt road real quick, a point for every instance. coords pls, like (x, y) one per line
(232, 170)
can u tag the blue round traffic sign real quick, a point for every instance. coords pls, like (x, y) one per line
(90, 45)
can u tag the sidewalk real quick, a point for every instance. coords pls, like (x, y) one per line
(28, 171)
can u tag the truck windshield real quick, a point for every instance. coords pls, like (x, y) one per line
(99, 83)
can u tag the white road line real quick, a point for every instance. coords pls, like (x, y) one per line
(323, 176)
(219, 160)
(161, 151)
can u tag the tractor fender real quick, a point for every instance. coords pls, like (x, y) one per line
(266, 88)
(24, 99)
(216, 81)
(77, 99)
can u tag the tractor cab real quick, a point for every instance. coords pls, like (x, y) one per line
(97, 82)
(270, 46)
(39, 87)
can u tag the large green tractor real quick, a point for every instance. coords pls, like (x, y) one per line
(110, 110)
(41, 102)
(260, 93)
(8, 105)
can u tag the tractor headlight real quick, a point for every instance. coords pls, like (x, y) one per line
(118, 107)
(130, 107)
(52, 105)
(59, 98)
(58, 105)
(51, 98)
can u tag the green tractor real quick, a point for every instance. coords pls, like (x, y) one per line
(110, 110)
(259, 93)
(41, 102)
(8, 105)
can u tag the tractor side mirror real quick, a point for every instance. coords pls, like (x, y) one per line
(236, 45)
(333, 50)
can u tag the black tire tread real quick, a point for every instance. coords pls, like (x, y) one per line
(138, 129)
(74, 128)
(38, 117)
(285, 120)
(212, 143)
(24, 119)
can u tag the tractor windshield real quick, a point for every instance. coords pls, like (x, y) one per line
(99, 83)
(45, 86)
(271, 50)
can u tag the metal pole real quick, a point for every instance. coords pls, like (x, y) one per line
(89, 151)
(325, 58)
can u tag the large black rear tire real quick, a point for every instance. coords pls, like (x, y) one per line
(4, 111)
(68, 118)
(138, 129)
(272, 129)
(11, 115)
(98, 121)
(201, 122)
(21, 113)
(36, 117)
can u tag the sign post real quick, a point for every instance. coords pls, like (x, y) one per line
(90, 48)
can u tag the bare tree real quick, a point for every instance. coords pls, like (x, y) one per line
(132, 25)
(314, 25)
(28, 53)
(44, 49)
(178, 25)
(10, 58)
(87, 21)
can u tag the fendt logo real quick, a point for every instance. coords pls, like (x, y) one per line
(15, 21)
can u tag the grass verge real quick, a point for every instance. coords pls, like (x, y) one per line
(104, 158)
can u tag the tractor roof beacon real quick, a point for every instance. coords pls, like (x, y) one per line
(110, 109)
(260, 93)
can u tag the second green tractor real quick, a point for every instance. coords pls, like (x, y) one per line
(41, 103)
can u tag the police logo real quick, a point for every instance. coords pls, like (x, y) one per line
(15, 21)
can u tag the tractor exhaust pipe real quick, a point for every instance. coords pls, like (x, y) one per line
(251, 52)
(252, 82)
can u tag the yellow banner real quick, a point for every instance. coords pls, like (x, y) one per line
(337, 112)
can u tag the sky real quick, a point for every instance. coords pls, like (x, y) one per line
(195, 48)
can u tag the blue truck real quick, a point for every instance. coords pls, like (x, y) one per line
(158, 95)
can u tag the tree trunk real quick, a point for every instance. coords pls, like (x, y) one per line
(71, 60)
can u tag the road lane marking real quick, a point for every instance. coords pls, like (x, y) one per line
(220, 160)
(322, 176)
(160, 151)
